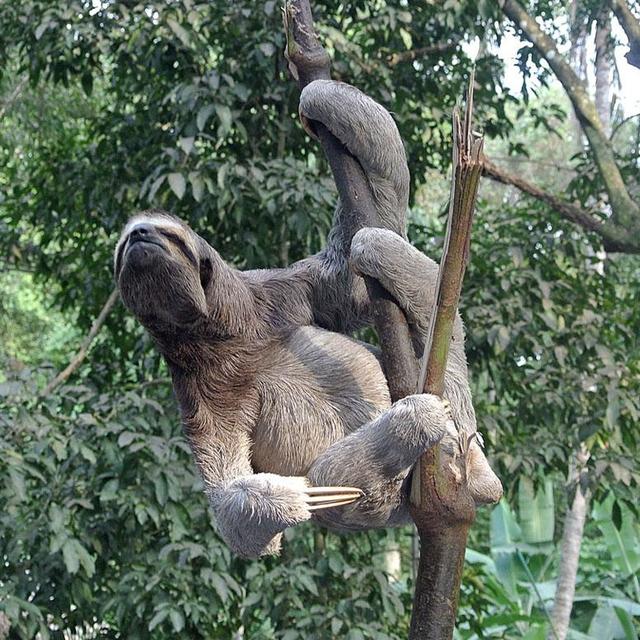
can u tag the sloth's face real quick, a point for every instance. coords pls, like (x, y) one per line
(162, 269)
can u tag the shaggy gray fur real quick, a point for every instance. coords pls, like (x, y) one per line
(272, 397)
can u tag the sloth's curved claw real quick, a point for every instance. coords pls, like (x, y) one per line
(328, 497)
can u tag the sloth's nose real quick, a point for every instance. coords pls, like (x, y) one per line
(141, 231)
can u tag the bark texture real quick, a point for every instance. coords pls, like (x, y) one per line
(603, 70)
(308, 61)
(570, 553)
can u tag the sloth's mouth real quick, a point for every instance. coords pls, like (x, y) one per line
(145, 240)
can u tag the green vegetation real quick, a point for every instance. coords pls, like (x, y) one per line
(111, 107)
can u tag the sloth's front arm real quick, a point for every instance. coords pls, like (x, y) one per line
(251, 510)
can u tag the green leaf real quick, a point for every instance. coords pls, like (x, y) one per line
(627, 624)
(42, 27)
(18, 484)
(197, 185)
(177, 183)
(186, 144)
(537, 511)
(203, 115)
(126, 438)
(70, 555)
(160, 484)
(180, 31)
(56, 518)
(224, 114)
(406, 38)
(623, 544)
(504, 532)
(267, 48)
(177, 620)
(158, 618)
(109, 490)
(605, 624)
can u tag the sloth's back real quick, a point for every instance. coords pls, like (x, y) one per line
(318, 387)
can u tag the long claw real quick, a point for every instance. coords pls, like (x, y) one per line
(329, 497)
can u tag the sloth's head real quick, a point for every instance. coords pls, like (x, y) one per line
(163, 270)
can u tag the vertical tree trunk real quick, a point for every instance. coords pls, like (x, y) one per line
(578, 61)
(603, 69)
(4, 626)
(570, 550)
(392, 557)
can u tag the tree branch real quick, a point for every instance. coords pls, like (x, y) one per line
(626, 212)
(84, 347)
(614, 238)
(452, 478)
(443, 539)
(420, 52)
(13, 96)
(631, 26)
(308, 61)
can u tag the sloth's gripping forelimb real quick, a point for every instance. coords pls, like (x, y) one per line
(411, 278)
(252, 511)
(368, 131)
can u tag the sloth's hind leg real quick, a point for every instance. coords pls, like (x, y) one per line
(377, 459)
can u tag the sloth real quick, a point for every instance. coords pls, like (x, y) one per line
(288, 418)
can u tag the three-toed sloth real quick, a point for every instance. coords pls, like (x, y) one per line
(288, 418)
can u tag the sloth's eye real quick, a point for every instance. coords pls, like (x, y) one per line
(206, 271)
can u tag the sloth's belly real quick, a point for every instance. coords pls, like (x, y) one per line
(320, 386)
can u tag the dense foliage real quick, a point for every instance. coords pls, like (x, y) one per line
(109, 107)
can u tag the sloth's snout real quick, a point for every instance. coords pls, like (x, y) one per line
(142, 232)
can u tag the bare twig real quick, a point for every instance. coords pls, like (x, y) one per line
(84, 347)
(13, 96)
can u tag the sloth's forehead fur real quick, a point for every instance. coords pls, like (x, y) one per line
(155, 217)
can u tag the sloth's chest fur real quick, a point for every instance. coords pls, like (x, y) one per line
(318, 387)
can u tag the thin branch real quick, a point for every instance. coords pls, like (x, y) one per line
(420, 52)
(631, 26)
(82, 352)
(626, 212)
(538, 163)
(13, 96)
(614, 238)
(622, 123)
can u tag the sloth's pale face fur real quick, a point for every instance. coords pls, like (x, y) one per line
(163, 270)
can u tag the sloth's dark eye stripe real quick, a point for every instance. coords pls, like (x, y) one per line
(179, 242)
